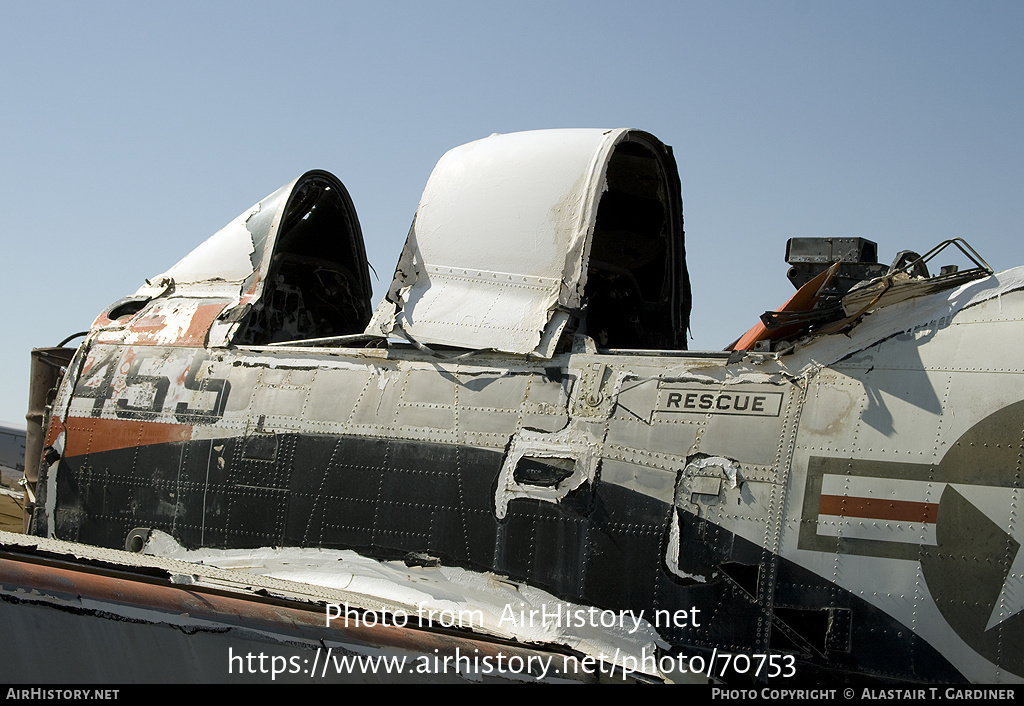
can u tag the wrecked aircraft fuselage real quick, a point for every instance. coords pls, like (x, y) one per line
(521, 404)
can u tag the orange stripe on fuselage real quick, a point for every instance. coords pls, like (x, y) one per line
(85, 435)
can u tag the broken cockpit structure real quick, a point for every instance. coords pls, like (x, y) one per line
(839, 280)
(292, 267)
(522, 239)
(519, 241)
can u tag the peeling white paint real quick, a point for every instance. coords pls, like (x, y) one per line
(51, 484)
(672, 552)
(729, 467)
(682, 374)
(501, 607)
(384, 377)
(322, 362)
(570, 443)
(693, 480)
(177, 318)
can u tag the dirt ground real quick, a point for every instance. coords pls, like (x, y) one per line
(12, 518)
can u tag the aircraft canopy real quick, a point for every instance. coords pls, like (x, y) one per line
(519, 238)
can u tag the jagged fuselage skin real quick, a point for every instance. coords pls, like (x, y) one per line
(839, 515)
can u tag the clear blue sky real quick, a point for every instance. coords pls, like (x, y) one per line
(132, 131)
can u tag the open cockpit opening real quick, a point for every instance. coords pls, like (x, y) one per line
(637, 293)
(317, 282)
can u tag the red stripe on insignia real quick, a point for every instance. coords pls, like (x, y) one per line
(878, 509)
